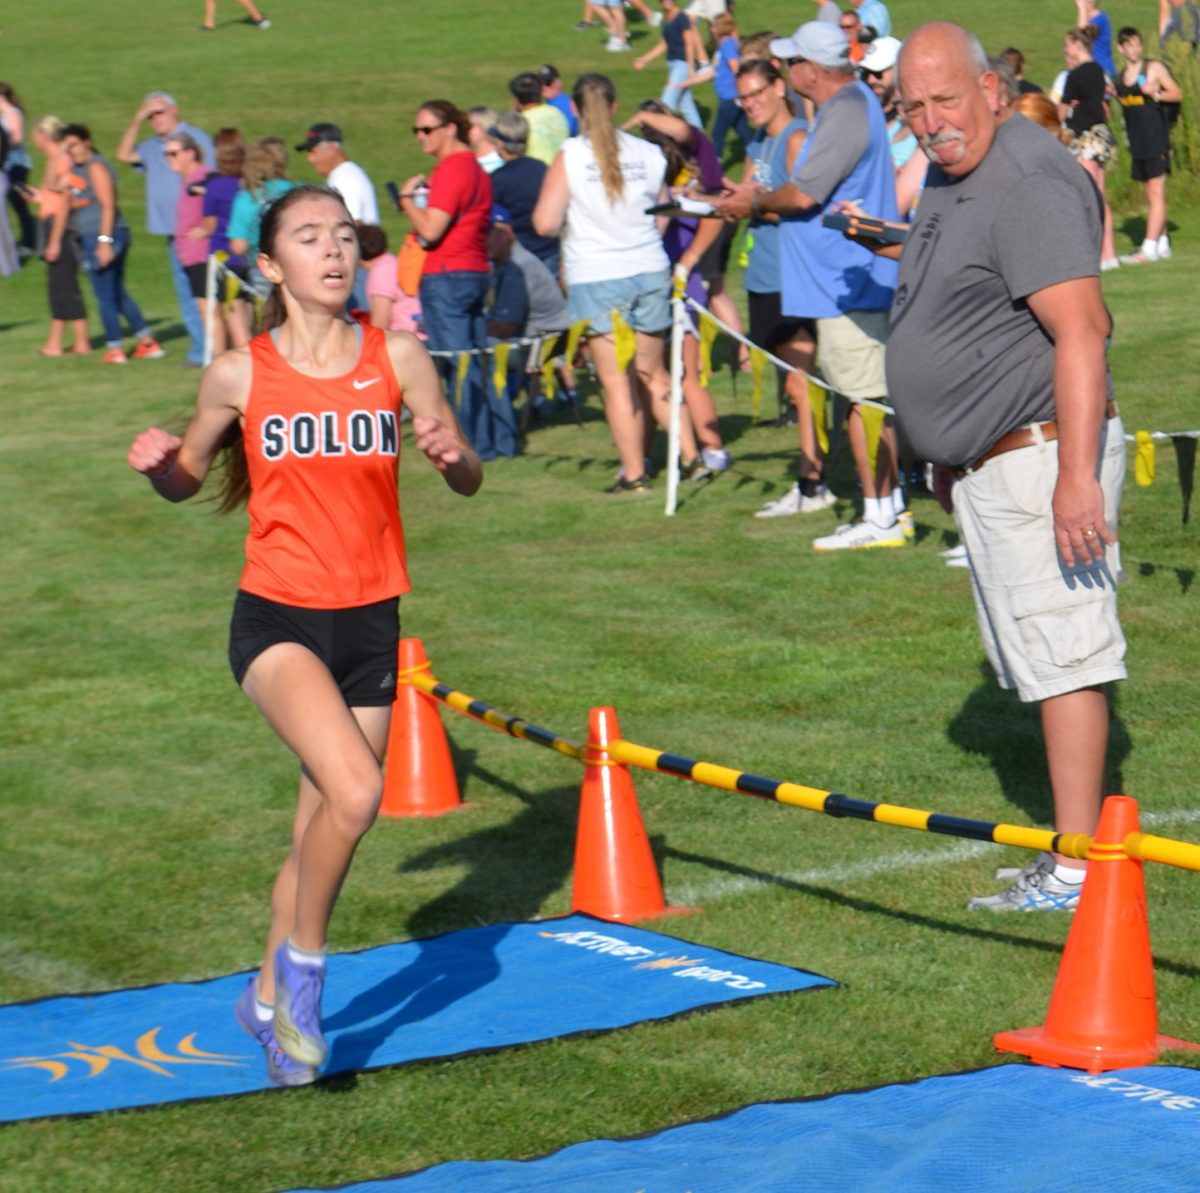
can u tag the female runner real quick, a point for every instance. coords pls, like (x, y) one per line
(309, 414)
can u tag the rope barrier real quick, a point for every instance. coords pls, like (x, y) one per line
(1143, 847)
(705, 313)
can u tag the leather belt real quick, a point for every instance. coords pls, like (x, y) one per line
(1023, 437)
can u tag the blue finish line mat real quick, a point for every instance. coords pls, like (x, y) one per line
(1012, 1129)
(467, 992)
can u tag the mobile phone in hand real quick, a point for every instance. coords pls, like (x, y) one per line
(393, 193)
(867, 227)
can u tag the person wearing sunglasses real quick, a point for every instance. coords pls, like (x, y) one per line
(878, 70)
(873, 13)
(148, 156)
(845, 287)
(771, 158)
(851, 25)
(450, 212)
(191, 232)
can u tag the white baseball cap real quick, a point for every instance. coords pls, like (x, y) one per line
(815, 41)
(883, 54)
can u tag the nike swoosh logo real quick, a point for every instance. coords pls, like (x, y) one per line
(364, 384)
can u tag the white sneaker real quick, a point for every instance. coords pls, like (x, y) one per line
(615, 45)
(781, 507)
(716, 459)
(1036, 891)
(793, 502)
(1109, 263)
(1042, 864)
(1164, 249)
(1141, 257)
(861, 536)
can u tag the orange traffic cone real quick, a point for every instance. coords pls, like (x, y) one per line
(615, 875)
(1102, 1012)
(418, 779)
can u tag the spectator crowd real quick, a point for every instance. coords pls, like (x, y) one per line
(551, 213)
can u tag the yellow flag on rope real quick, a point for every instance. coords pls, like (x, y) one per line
(549, 379)
(816, 399)
(758, 366)
(872, 418)
(708, 333)
(464, 365)
(625, 341)
(574, 335)
(1143, 462)
(500, 374)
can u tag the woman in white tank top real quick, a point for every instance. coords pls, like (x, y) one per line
(599, 186)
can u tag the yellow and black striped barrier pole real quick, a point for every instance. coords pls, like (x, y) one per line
(1139, 846)
(513, 726)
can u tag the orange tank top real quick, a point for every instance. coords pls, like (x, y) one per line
(323, 455)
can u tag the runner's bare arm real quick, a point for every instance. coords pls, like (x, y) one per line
(437, 432)
(177, 467)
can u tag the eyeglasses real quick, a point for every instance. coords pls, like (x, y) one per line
(743, 100)
(423, 130)
(796, 61)
(849, 26)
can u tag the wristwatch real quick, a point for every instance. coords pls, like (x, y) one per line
(102, 239)
(755, 210)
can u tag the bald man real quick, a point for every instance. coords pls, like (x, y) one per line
(996, 366)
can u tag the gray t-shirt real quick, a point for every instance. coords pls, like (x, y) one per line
(547, 307)
(838, 141)
(967, 362)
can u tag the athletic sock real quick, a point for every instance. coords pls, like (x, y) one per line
(878, 510)
(1164, 244)
(301, 956)
(897, 501)
(1073, 875)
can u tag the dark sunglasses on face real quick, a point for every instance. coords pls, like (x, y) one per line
(796, 61)
(423, 130)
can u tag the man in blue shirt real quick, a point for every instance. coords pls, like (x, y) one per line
(844, 287)
(875, 14)
(553, 94)
(162, 193)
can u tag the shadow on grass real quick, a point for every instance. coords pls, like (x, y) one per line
(1184, 576)
(500, 878)
(916, 919)
(995, 725)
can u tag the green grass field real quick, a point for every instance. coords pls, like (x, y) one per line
(144, 805)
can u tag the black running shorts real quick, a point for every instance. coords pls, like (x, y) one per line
(358, 645)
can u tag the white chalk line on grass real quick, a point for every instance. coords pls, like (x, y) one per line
(890, 863)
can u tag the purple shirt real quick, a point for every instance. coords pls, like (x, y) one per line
(218, 200)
